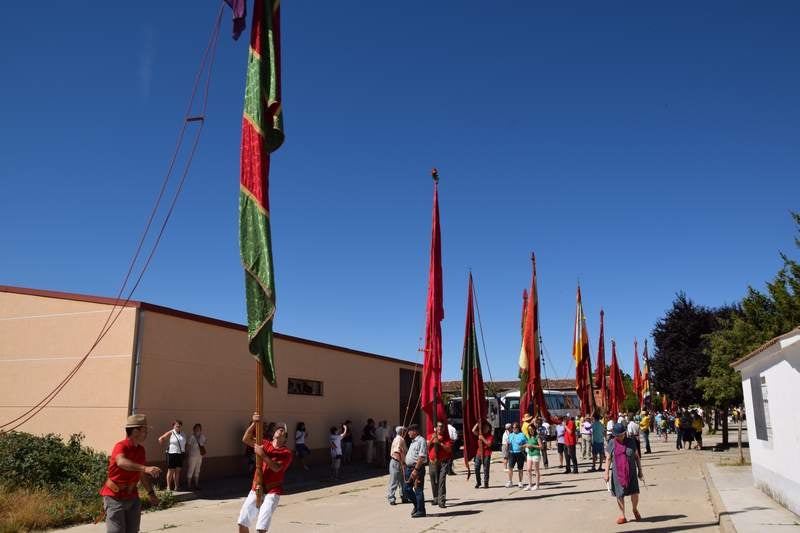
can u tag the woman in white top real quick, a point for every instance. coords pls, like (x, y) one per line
(175, 451)
(300, 448)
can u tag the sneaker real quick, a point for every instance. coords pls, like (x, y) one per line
(536, 487)
(527, 487)
(477, 485)
(519, 485)
(508, 484)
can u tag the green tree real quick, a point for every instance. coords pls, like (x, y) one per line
(680, 355)
(759, 318)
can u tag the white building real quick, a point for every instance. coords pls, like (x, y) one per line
(771, 386)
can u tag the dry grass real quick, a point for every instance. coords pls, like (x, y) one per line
(32, 510)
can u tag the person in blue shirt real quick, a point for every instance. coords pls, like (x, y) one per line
(516, 456)
(598, 443)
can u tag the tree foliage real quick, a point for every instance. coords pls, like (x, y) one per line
(680, 357)
(759, 318)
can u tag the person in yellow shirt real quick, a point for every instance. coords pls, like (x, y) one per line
(526, 424)
(644, 431)
(697, 426)
(678, 433)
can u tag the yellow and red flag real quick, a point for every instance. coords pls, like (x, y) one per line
(583, 363)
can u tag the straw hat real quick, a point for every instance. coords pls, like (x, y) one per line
(136, 421)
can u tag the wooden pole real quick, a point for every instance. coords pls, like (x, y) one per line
(435, 419)
(259, 431)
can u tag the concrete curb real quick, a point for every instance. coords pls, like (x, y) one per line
(725, 522)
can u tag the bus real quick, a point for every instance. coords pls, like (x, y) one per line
(559, 403)
(455, 416)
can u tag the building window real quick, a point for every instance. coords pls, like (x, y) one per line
(760, 397)
(308, 387)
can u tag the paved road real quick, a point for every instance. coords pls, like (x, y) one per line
(676, 498)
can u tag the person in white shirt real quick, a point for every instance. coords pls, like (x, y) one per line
(633, 431)
(335, 443)
(300, 449)
(586, 438)
(195, 450)
(504, 447)
(175, 451)
(453, 433)
(610, 428)
(381, 434)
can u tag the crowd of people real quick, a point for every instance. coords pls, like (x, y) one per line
(614, 445)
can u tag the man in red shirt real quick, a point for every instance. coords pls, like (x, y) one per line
(570, 439)
(439, 462)
(484, 455)
(125, 468)
(276, 458)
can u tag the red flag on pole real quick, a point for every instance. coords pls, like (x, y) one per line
(432, 365)
(530, 376)
(600, 369)
(637, 374)
(616, 387)
(473, 398)
(583, 365)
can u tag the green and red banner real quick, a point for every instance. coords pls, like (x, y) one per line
(262, 133)
(473, 397)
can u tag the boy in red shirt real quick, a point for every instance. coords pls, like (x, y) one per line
(484, 455)
(439, 462)
(276, 458)
(125, 468)
(570, 439)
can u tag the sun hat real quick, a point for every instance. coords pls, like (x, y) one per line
(619, 429)
(136, 421)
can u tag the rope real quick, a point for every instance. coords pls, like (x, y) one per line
(207, 58)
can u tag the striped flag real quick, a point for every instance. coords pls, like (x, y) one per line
(262, 133)
(583, 365)
(473, 398)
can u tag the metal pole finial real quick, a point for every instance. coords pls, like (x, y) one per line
(435, 174)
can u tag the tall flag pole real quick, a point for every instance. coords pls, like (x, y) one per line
(600, 373)
(262, 133)
(616, 388)
(583, 365)
(472, 390)
(432, 365)
(530, 375)
(646, 398)
(637, 374)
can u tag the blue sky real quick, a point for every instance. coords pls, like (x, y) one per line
(642, 149)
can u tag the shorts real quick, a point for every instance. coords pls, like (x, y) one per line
(688, 435)
(597, 448)
(534, 459)
(174, 460)
(504, 451)
(301, 450)
(250, 515)
(516, 460)
(560, 447)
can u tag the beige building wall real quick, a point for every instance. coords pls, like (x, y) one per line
(168, 364)
(202, 372)
(41, 340)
